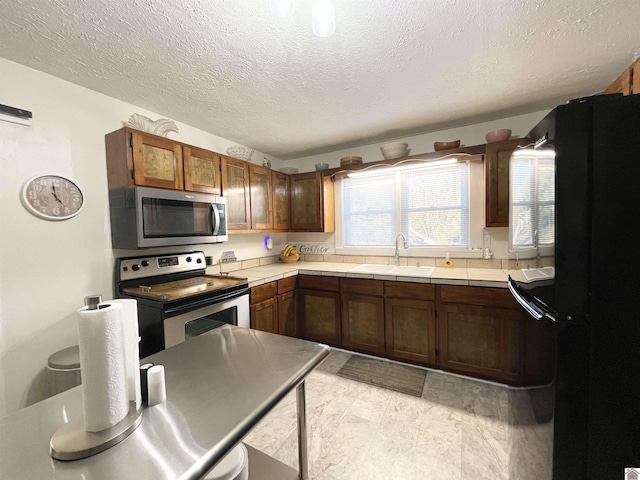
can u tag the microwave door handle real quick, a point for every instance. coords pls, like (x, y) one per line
(215, 216)
(529, 303)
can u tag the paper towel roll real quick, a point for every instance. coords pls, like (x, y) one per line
(103, 366)
(131, 348)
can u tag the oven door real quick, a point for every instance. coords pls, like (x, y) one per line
(184, 326)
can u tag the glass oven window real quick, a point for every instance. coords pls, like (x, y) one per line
(175, 218)
(209, 322)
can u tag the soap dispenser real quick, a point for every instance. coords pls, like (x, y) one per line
(448, 263)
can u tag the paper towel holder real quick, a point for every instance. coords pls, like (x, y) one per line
(72, 442)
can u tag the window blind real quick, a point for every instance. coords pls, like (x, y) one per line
(435, 206)
(532, 196)
(369, 210)
(429, 204)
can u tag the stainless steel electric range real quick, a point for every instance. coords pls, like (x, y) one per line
(177, 300)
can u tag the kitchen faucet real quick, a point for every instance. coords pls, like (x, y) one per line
(396, 257)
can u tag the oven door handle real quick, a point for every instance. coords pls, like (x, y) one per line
(215, 218)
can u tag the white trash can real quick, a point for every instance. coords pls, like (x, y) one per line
(235, 466)
(63, 370)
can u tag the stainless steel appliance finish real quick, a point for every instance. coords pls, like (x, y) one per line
(177, 300)
(157, 217)
(219, 386)
(176, 329)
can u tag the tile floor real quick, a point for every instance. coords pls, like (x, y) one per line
(459, 429)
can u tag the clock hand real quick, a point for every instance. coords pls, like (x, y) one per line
(53, 190)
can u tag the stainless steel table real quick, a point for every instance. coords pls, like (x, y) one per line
(219, 386)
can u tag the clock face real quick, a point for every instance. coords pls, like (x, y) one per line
(52, 197)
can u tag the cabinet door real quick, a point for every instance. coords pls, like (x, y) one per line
(261, 197)
(622, 84)
(235, 188)
(264, 316)
(157, 161)
(312, 208)
(410, 330)
(320, 316)
(281, 201)
(497, 157)
(363, 322)
(480, 340)
(635, 77)
(201, 170)
(288, 314)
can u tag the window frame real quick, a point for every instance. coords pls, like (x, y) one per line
(476, 223)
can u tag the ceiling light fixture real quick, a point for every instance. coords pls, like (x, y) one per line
(323, 18)
(282, 8)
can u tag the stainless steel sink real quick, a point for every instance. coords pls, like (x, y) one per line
(538, 273)
(402, 271)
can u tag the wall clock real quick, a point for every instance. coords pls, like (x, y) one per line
(52, 197)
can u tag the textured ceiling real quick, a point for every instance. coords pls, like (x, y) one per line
(392, 68)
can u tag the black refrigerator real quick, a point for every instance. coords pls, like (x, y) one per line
(594, 298)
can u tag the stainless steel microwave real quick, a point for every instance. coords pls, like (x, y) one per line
(156, 217)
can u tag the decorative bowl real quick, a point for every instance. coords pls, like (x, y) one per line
(288, 170)
(242, 153)
(394, 146)
(446, 145)
(290, 258)
(498, 135)
(322, 166)
(394, 150)
(350, 160)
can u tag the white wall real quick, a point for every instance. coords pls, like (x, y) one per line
(468, 135)
(47, 268)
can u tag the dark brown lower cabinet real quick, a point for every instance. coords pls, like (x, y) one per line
(264, 308)
(264, 316)
(363, 322)
(410, 330)
(484, 332)
(320, 316)
(319, 309)
(288, 314)
(480, 340)
(410, 322)
(274, 308)
(362, 314)
(475, 331)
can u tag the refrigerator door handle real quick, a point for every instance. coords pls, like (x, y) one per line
(536, 308)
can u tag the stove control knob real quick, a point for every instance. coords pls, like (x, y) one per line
(135, 267)
(145, 263)
(199, 260)
(188, 259)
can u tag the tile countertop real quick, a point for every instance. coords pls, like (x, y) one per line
(479, 277)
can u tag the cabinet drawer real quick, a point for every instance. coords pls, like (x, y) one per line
(417, 291)
(493, 297)
(263, 292)
(364, 287)
(317, 282)
(287, 284)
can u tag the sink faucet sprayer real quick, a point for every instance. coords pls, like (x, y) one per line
(396, 257)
